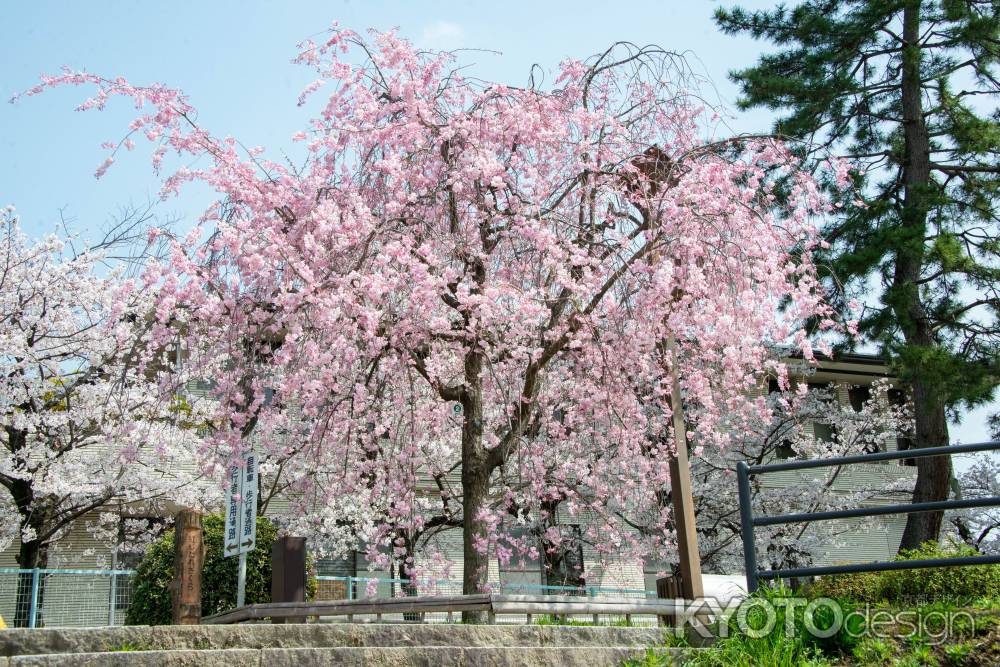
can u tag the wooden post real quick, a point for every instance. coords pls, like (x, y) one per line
(288, 573)
(683, 498)
(189, 557)
(658, 167)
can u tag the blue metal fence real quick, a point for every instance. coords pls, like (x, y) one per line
(45, 597)
(748, 521)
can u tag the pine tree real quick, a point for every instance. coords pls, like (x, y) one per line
(907, 89)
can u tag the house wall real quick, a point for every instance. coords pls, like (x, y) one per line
(863, 540)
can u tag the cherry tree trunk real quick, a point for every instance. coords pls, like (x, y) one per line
(29, 556)
(475, 485)
(31, 553)
(475, 488)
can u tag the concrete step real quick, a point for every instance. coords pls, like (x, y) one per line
(19, 642)
(397, 656)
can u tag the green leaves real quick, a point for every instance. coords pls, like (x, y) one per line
(151, 588)
(922, 253)
(949, 254)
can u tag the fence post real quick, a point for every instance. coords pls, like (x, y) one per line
(33, 608)
(113, 597)
(746, 526)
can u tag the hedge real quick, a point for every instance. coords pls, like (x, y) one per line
(963, 583)
(150, 603)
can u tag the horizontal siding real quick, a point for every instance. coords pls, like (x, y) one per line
(886, 479)
(864, 540)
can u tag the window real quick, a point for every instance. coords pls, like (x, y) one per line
(337, 589)
(650, 569)
(902, 444)
(564, 564)
(135, 534)
(343, 566)
(823, 431)
(522, 573)
(784, 450)
(859, 395)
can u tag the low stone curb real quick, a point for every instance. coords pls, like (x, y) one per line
(419, 656)
(20, 642)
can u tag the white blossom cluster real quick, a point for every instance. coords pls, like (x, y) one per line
(89, 420)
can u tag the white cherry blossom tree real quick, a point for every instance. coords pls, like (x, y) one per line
(89, 420)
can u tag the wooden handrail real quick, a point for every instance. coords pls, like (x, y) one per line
(556, 605)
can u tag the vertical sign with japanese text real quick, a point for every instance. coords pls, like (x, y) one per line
(241, 507)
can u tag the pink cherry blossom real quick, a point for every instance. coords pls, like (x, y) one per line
(464, 311)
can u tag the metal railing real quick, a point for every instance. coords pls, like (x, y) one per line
(352, 588)
(494, 605)
(44, 597)
(393, 592)
(748, 521)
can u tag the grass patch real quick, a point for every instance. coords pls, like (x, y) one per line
(549, 619)
(941, 634)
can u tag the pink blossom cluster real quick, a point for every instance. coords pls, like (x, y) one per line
(453, 317)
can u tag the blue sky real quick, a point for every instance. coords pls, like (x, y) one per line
(232, 59)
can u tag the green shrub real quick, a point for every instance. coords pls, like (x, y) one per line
(900, 586)
(960, 653)
(778, 648)
(652, 658)
(150, 603)
(872, 651)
